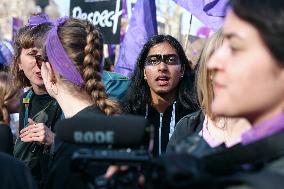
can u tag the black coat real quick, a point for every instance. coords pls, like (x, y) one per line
(188, 125)
(14, 174)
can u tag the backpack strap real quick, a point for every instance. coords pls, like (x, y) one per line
(26, 102)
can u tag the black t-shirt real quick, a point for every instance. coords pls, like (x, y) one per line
(39, 102)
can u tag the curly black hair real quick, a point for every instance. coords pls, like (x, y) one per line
(138, 93)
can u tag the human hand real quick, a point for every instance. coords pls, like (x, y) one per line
(37, 132)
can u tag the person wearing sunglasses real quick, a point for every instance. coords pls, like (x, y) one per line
(38, 111)
(161, 88)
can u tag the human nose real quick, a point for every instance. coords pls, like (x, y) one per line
(216, 60)
(162, 66)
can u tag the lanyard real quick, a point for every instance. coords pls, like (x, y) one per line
(26, 102)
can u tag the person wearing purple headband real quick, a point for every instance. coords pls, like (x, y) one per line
(70, 68)
(38, 111)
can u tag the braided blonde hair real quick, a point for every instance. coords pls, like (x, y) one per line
(84, 45)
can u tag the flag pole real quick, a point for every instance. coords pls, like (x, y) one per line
(187, 36)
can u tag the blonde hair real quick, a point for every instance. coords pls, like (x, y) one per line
(8, 91)
(204, 81)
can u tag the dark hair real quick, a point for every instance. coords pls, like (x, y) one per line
(267, 16)
(108, 64)
(138, 94)
(25, 39)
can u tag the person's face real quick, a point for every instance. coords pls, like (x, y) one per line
(28, 64)
(247, 81)
(164, 71)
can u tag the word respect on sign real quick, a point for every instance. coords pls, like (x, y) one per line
(105, 18)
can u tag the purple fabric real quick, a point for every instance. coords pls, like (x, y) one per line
(209, 12)
(38, 19)
(7, 51)
(124, 8)
(16, 24)
(264, 129)
(58, 58)
(142, 25)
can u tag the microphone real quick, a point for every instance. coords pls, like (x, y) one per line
(123, 131)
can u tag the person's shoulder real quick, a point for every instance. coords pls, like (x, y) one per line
(8, 161)
(106, 75)
(19, 175)
(116, 84)
(192, 117)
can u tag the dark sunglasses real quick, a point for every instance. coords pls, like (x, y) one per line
(39, 60)
(169, 59)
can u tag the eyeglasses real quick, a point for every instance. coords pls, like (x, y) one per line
(39, 60)
(169, 59)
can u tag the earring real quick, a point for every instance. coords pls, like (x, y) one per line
(54, 88)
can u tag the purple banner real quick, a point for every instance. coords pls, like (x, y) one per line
(16, 24)
(209, 12)
(142, 25)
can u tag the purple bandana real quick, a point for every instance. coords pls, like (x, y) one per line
(58, 58)
(36, 20)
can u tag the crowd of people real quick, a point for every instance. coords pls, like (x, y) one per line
(217, 126)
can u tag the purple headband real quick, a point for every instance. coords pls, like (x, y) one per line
(36, 20)
(58, 58)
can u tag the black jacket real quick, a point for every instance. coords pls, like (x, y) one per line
(188, 125)
(163, 121)
(42, 109)
(6, 139)
(14, 174)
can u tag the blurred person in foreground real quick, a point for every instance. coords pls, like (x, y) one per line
(248, 82)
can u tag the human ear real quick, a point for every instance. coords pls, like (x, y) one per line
(50, 73)
(182, 70)
(145, 76)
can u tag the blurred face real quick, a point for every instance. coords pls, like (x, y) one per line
(248, 81)
(30, 68)
(163, 69)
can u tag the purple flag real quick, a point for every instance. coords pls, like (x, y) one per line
(142, 25)
(16, 24)
(209, 12)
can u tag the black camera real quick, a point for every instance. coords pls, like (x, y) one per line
(104, 141)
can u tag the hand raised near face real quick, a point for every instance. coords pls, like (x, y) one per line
(37, 132)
